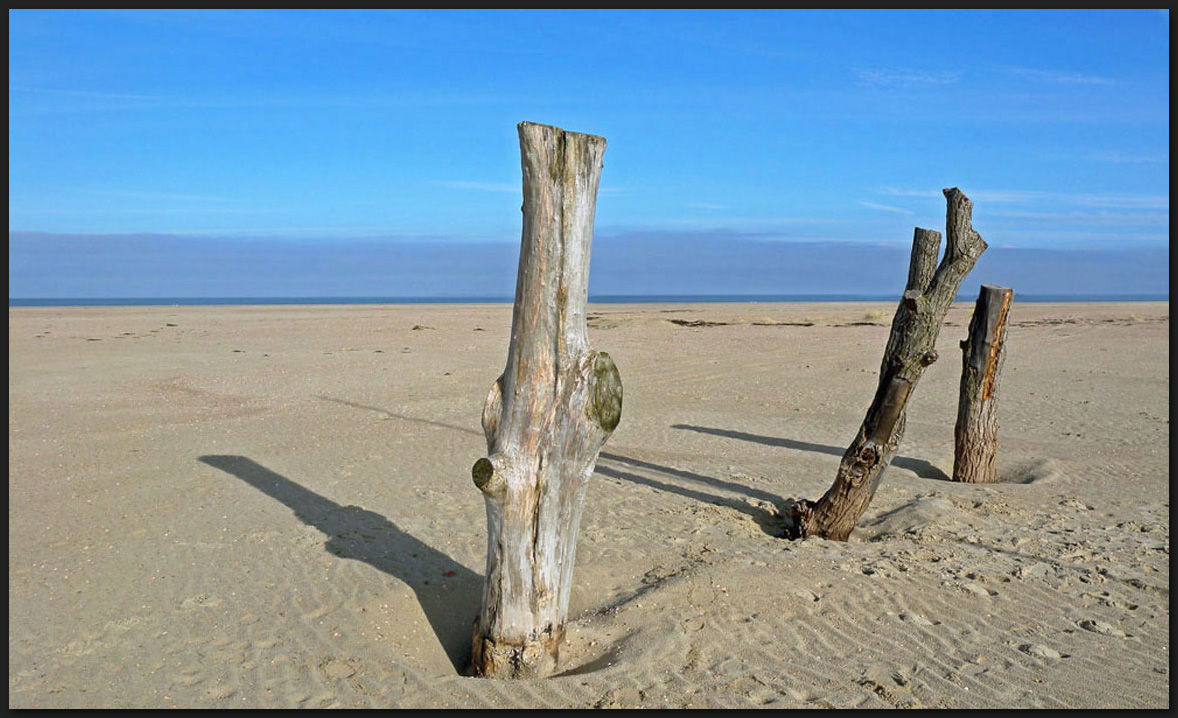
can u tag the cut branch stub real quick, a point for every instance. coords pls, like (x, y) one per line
(976, 432)
(547, 417)
(911, 348)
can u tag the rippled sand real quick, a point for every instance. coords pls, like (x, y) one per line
(271, 507)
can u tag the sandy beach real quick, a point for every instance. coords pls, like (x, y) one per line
(271, 507)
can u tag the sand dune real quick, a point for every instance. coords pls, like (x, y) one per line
(270, 507)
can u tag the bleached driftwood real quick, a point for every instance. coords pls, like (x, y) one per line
(547, 416)
(983, 352)
(911, 348)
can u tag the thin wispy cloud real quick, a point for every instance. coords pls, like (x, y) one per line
(92, 202)
(1005, 196)
(162, 196)
(1110, 201)
(787, 229)
(87, 94)
(906, 78)
(888, 208)
(1088, 219)
(89, 100)
(337, 232)
(1056, 77)
(136, 211)
(752, 224)
(706, 205)
(1121, 158)
(481, 186)
(906, 192)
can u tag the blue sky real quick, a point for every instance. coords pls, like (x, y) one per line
(152, 139)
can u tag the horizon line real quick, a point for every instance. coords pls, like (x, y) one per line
(815, 297)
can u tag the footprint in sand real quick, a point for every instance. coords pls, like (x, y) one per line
(1032, 472)
(1038, 650)
(917, 620)
(921, 512)
(338, 668)
(203, 600)
(1091, 624)
(978, 589)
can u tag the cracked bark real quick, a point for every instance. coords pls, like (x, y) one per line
(547, 417)
(927, 297)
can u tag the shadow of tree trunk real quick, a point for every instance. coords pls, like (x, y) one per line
(920, 467)
(447, 591)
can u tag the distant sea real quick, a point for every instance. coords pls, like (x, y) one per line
(604, 299)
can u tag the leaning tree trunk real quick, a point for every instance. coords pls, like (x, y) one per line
(911, 347)
(976, 434)
(547, 416)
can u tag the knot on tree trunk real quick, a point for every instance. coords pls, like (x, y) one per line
(606, 406)
(489, 475)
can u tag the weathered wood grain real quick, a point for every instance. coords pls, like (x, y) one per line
(547, 417)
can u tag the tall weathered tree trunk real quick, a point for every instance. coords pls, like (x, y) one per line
(976, 434)
(910, 349)
(547, 416)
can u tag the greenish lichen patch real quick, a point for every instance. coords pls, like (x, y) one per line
(482, 471)
(607, 392)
